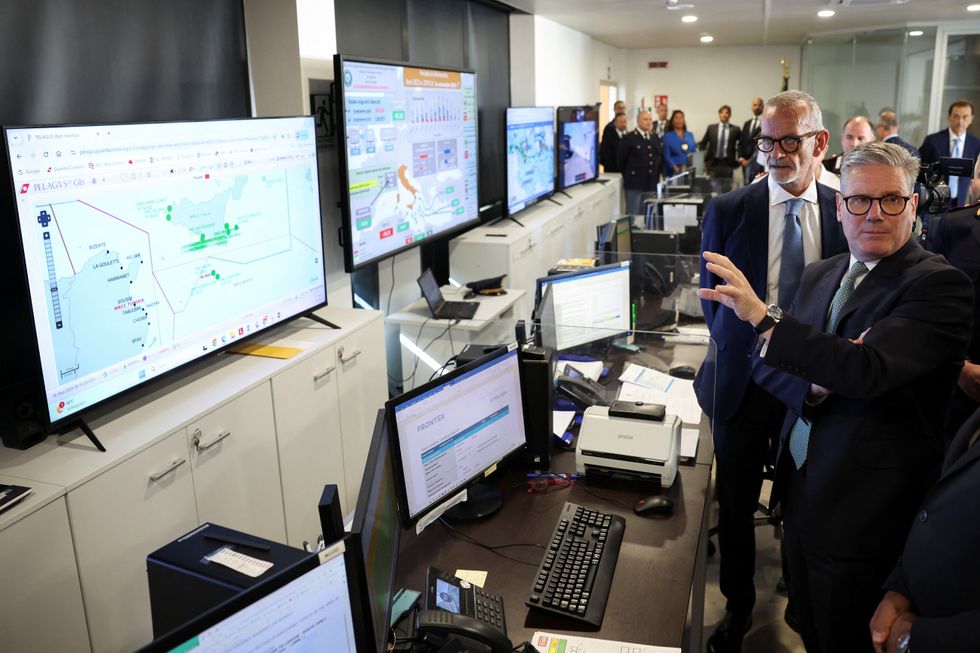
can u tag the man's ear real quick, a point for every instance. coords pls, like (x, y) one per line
(820, 142)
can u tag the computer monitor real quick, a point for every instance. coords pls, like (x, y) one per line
(314, 606)
(613, 240)
(149, 246)
(578, 145)
(576, 308)
(530, 156)
(446, 434)
(376, 531)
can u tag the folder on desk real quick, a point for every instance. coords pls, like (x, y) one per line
(554, 643)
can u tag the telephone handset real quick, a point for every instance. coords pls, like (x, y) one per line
(438, 627)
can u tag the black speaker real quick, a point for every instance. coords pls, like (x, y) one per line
(22, 423)
(538, 373)
(331, 515)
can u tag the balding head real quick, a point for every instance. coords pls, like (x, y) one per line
(644, 122)
(857, 130)
(886, 125)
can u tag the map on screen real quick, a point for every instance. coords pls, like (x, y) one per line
(530, 155)
(411, 155)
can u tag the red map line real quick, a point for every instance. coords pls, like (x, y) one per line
(62, 236)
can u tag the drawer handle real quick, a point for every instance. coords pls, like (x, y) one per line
(340, 355)
(204, 447)
(322, 375)
(556, 230)
(174, 465)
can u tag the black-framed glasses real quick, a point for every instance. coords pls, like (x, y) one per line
(889, 204)
(788, 144)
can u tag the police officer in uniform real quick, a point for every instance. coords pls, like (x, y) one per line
(640, 158)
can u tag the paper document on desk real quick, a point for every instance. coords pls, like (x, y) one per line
(639, 375)
(679, 398)
(689, 442)
(561, 420)
(554, 643)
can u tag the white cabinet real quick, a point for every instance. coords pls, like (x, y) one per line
(117, 518)
(236, 466)
(310, 447)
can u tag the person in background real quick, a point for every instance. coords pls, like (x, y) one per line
(619, 107)
(954, 141)
(886, 129)
(679, 145)
(661, 125)
(640, 159)
(720, 146)
(751, 168)
(610, 143)
(856, 130)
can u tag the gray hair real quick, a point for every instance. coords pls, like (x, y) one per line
(880, 153)
(807, 110)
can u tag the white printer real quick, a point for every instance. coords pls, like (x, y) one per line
(630, 440)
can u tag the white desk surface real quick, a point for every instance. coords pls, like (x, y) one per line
(41, 495)
(491, 307)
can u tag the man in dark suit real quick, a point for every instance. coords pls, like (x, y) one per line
(720, 145)
(857, 130)
(865, 359)
(769, 229)
(955, 141)
(610, 143)
(886, 129)
(746, 144)
(619, 107)
(661, 124)
(933, 599)
(640, 158)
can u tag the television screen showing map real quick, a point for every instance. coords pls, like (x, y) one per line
(530, 156)
(578, 145)
(148, 246)
(410, 156)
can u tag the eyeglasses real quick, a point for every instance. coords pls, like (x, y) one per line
(787, 144)
(889, 204)
(543, 482)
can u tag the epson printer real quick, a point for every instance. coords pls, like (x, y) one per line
(630, 440)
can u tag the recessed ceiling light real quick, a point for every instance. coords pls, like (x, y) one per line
(707, 38)
(690, 18)
(973, 8)
(915, 32)
(826, 13)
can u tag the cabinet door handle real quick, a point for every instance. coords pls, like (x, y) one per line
(556, 229)
(322, 375)
(340, 355)
(204, 447)
(174, 465)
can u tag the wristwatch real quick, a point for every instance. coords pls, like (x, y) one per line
(773, 315)
(902, 645)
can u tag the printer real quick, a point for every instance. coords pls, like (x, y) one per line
(629, 440)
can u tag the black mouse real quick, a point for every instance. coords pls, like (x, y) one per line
(654, 505)
(683, 372)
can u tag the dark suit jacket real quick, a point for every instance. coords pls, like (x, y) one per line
(833, 164)
(609, 148)
(736, 224)
(710, 145)
(661, 127)
(746, 146)
(876, 442)
(908, 147)
(640, 161)
(939, 566)
(937, 145)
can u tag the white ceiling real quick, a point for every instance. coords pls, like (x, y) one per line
(648, 24)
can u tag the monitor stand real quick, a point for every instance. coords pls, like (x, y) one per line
(554, 201)
(482, 501)
(565, 194)
(317, 318)
(507, 217)
(87, 430)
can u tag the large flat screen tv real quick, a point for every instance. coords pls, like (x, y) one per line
(530, 156)
(578, 145)
(408, 155)
(147, 246)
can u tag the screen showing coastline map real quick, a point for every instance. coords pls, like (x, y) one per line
(147, 246)
(530, 156)
(578, 145)
(408, 156)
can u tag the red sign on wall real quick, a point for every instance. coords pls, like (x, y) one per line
(658, 100)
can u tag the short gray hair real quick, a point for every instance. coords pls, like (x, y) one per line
(880, 153)
(807, 110)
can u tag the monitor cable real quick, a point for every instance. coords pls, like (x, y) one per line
(455, 532)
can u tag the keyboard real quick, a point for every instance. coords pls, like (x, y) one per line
(574, 577)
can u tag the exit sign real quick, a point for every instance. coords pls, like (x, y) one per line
(656, 64)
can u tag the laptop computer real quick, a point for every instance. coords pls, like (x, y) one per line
(441, 309)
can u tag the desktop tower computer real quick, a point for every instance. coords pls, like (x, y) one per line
(538, 371)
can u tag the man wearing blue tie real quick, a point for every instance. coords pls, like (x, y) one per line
(955, 142)
(865, 359)
(770, 230)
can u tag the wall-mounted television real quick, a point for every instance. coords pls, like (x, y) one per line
(530, 156)
(148, 246)
(578, 145)
(408, 155)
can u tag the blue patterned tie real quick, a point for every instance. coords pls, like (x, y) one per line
(791, 263)
(954, 182)
(799, 435)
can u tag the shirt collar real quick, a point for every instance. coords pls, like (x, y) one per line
(778, 194)
(869, 264)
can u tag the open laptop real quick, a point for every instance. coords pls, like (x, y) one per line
(441, 309)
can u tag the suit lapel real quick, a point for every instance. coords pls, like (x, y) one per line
(831, 236)
(879, 280)
(757, 223)
(961, 454)
(819, 298)
(944, 144)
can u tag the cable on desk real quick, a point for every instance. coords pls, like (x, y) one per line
(444, 366)
(609, 499)
(492, 549)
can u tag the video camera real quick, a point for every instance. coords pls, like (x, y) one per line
(934, 192)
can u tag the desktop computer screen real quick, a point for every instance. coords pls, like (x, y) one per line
(316, 611)
(614, 239)
(581, 307)
(377, 531)
(447, 433)
(530, 156)
(578, 145)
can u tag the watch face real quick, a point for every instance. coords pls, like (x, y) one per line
(903, 642)
(774, 312)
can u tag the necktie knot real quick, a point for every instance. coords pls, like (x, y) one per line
(793, 206)
(856, 271)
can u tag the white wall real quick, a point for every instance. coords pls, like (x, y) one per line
(699, 80)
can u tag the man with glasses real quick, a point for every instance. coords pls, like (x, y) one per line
(865, 359)
(770, 230)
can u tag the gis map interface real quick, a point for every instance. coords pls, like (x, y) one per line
(411, 155)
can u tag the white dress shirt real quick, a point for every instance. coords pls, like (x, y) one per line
(809, 223)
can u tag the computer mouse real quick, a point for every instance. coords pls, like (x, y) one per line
(683, 372)
(654, 505)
